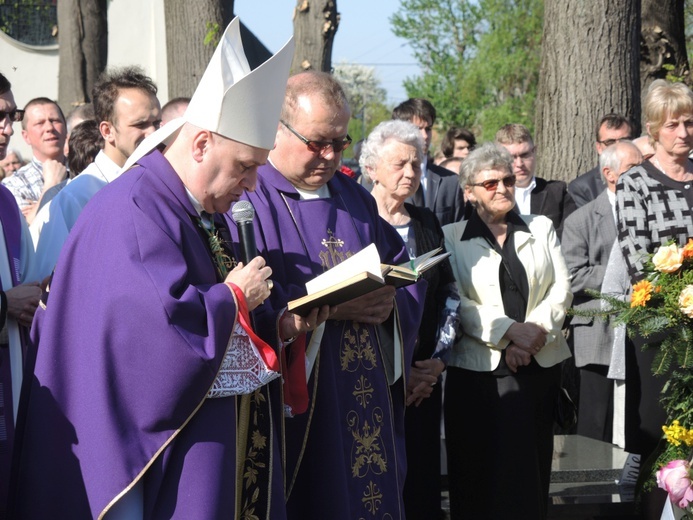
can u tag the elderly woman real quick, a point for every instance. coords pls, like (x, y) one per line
(504, 374)
(653, 204)
(391, 158)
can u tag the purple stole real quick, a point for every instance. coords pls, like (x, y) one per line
(12, 230)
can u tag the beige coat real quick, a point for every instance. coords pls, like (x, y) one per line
(476, 266)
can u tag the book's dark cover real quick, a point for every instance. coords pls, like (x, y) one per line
(353, 287)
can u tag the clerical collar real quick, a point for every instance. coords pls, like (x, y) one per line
(323, 192)
(198, 207)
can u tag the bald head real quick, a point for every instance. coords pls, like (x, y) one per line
(617, 159)
(319, 86)
(643, 144)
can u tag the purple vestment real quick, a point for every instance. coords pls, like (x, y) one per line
(345, 455)
(132, 338)
(12, 231)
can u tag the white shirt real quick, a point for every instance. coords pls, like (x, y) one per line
(523, 197)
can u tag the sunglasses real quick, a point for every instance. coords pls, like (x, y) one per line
(16, 115)
(492, 184)
(320, 147)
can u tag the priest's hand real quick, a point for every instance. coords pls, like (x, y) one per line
(373, 308)
(253, 280)
(22, 302)
(291, 325)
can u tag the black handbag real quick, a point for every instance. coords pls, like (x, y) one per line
(565, 411)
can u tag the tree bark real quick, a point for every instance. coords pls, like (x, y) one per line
(589, 68)
(188, 23)
(315, 25)
(663, 42)
(83, 39)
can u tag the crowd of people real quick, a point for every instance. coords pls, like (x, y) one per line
(149, 367)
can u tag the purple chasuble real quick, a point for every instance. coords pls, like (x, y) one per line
(12, 231)
(131, 341)
(345, 456)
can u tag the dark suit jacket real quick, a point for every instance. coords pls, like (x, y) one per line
(586, 187)
(588, 236)
(443, 195)
(551, 199)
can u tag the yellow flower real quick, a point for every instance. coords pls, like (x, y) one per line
(642, 292)
(686, 301)
(676, 434)
(688, 249)
(668, 259)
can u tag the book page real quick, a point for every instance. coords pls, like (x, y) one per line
(366, 260)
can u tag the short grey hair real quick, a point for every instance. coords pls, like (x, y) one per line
(488, 156)
(401, 131)
(612, 156)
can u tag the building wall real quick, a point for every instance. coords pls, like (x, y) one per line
(136, 36)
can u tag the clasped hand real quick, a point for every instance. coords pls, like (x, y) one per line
(526, 340)
(422, 378)
(22, 302)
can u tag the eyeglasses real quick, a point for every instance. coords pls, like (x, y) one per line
(523, 156)
(320, 147)
(492, 184)
(16, 116)
(608, 142)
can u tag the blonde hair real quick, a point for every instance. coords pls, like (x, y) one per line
(665, 100)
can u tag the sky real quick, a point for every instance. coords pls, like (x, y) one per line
(364, 36)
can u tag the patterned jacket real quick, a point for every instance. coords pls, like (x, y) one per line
(651, 209)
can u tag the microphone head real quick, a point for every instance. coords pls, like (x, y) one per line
(242, 212)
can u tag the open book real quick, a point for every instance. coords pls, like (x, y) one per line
(360, 274)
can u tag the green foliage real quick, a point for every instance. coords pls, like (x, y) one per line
(213, 34)
(366, 99)
(29, 21)
(480, 60)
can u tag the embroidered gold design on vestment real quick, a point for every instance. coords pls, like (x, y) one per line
(363, 391)
(332, 256)
(367, 452)
(372, 498)
(357, 349)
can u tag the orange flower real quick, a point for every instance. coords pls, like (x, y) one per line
(642, 292)
(688, 249)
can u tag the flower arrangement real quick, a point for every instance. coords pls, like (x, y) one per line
(661, 305)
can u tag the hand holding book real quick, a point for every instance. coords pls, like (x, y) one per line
(359, 275)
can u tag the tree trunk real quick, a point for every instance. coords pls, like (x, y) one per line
(188, 25)
(315, 24)
(589, 68)
(663, 42)
(83, 39)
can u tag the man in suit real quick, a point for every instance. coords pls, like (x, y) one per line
(610, 129)
(439, 190)
(534, 195)
(588, 236)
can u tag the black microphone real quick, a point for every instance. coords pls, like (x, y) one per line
(243, 214)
